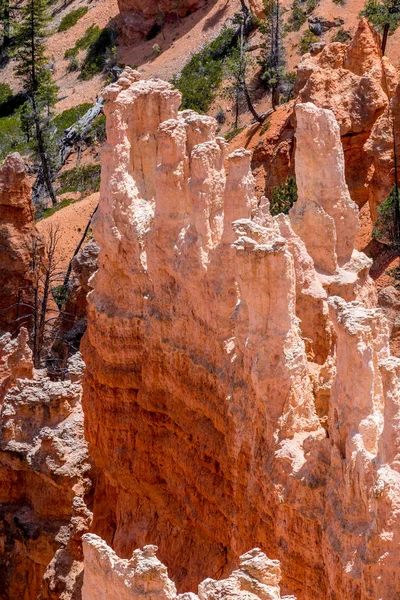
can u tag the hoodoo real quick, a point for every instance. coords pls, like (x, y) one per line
(239, 388)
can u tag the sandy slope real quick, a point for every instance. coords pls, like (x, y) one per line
(70, 222)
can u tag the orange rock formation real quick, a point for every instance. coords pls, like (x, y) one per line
(239, 388)
(361, 88)
(18, 235)
(107, 576)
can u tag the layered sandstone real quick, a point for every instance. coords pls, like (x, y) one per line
(239, 388)
(108, 576)
(19, 240)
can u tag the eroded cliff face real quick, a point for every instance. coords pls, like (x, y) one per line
(18, 238)
(43, 478)
(239, 389)
(360, 87)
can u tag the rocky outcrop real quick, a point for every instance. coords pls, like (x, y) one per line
(239, 388)
(357, 84)
(107, 575)
(139, 19)
(43, 479)
(19, 239)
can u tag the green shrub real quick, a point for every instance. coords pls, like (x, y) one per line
(6, 93)
(203, 74)
(72, 18)
(70, 116)
(265, 128)
(339, 2)
(12, 138)
(60, 294)
(100, 51)
(231, 134)
(80, 179)
(341, 36)
(283, 196)
(385, 225)
(298, 16)
(90, 36)
(307, 39)
(50, 211)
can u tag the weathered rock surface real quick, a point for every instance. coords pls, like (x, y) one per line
(18, 236)
(43, 479)
(108, 576)
(138, 18)
(239, 389)
(357, 84)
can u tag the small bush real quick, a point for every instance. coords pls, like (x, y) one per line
(80, 179)
(90, 36)
(231, 134)
(100, 51)
(203, 74)
(72, 18)
(12, 138)
(385, 226)
(265, 128)
(60, 294)
(339, 2)
(6, 93)
(50, 211)
(341, 36)
(283, 197)
(298, 16)
(70, 116)
(307, 39)
(157, 50)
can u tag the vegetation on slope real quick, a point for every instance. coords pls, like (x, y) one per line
(72, 18)
(203, 74)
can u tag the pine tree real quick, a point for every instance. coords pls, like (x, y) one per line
(5, 21)
(384, 16)
(36, 78)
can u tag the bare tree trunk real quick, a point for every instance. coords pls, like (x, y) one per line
(385, 37)
(243, 69)
(68, 273)
(42, 153)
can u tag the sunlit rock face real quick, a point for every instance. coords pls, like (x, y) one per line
(239, 390)
(107, 576)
